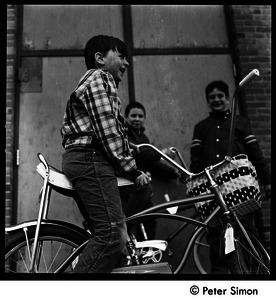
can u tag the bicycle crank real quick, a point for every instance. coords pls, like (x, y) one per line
(150, 255)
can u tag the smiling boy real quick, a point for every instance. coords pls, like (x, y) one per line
(209, 146)
(211, 135)
(94, 136)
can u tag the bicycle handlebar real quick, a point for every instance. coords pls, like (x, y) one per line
(242, 83)
(133, 146)
(175, 150)
(174, 163)
(166, 157)
(249, 77)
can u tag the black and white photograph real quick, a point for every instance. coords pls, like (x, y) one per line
(138, 147)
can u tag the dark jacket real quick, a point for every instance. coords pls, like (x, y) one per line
(210, 144)
(147, 159)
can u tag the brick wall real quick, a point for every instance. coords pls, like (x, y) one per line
(253, 46)
(10, 99)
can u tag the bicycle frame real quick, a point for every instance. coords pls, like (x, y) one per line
(151, 212)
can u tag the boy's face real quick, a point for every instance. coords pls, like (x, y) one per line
(116, 64)
(217, 100)
(136, 118)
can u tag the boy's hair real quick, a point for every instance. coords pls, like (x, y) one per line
(220, 85)
(134, 105)
(102, 44)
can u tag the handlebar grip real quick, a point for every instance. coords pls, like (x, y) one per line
(133, 146)
(249, 77)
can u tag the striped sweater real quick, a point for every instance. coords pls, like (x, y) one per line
(210, 144)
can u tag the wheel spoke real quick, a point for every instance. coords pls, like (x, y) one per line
(251, 263)
(23, 260)
(54, 259)
(27, 241)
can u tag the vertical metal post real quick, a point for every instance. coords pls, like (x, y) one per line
(128, 38)
(41, 210)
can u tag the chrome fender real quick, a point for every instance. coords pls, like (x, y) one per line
(61, 224)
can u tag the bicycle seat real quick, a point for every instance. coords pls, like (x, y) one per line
(58, 179)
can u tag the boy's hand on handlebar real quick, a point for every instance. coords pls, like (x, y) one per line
(134, 149)
(142, 179)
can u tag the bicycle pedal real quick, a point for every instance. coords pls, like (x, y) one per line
(159, 244)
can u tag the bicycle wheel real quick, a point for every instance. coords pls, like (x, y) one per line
(248, 261)
(201, 254)
(54, 246)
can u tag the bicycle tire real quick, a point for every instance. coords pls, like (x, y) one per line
(201, 251)
(247, 263)
(56, 245)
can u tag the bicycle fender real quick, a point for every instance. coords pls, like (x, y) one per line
(58, 223)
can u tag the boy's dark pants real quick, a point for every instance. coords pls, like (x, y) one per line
(94, 179)
(135, 199)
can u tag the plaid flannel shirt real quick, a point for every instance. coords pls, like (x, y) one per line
(94, 109)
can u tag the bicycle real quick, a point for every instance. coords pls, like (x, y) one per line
(53, 246)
